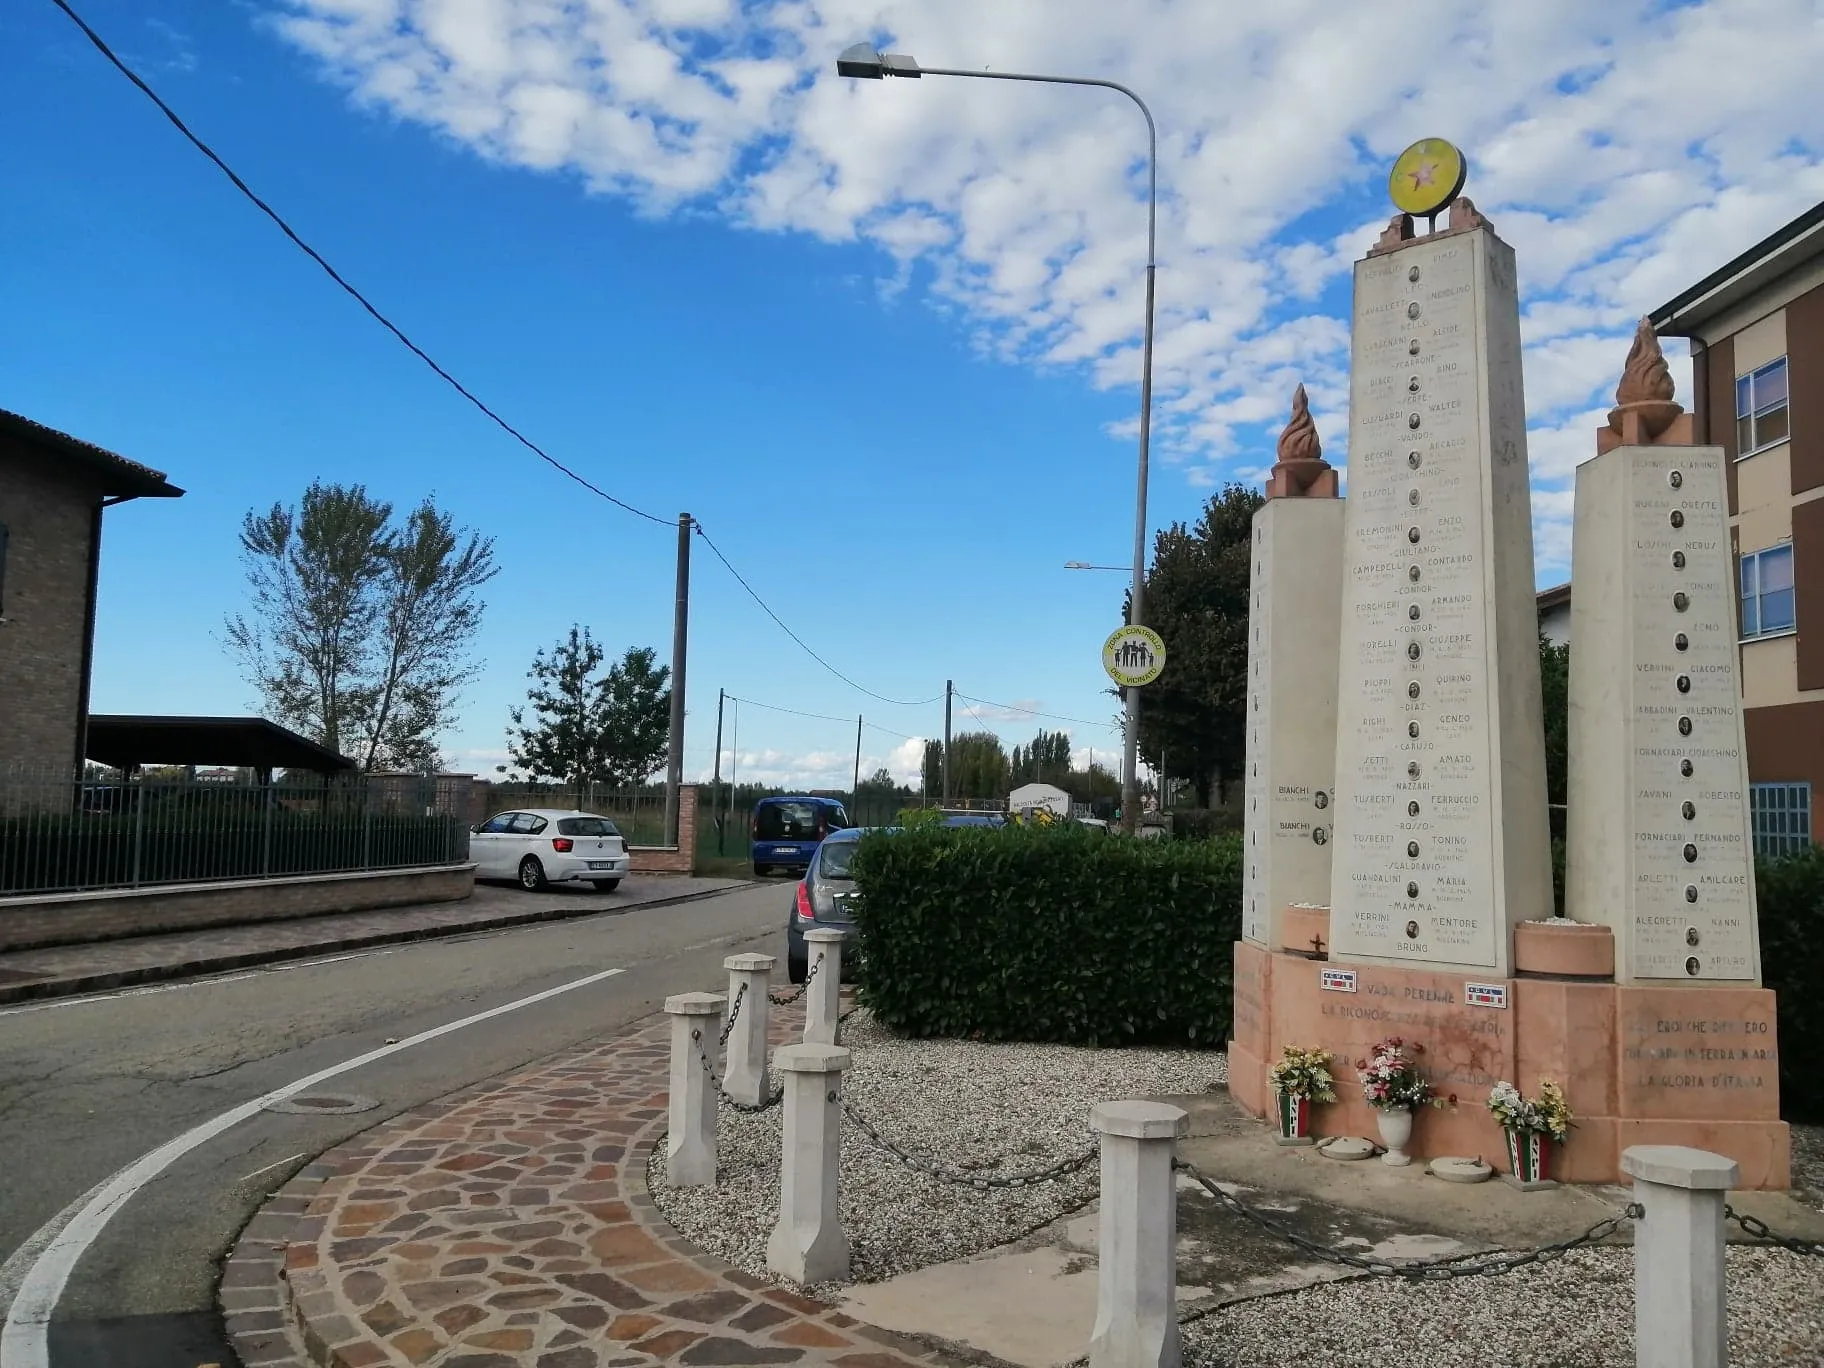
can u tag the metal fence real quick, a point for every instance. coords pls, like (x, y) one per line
(61, 832)
(639, 812)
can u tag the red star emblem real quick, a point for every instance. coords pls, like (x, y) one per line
(1424, 175)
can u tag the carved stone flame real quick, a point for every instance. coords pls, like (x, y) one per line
(1299, 441)
(1645, 413)
(1645, 378)
(1301, 471)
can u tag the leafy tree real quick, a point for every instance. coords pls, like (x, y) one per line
(359, 628)
(978, 766)
(882, 782)
(1194, 716)
(934, 769)
(1555, 684)
(1045, 761)
(590, 727)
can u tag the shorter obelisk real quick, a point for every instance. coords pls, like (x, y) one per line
(1658, 845)
(1294, 608)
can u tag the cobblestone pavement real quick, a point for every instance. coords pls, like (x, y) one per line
(64, 969)
(510, 1225)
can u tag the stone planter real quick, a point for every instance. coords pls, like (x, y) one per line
(1395, 1125)
(1305, 931)
(1564, 949)
(1529, 1156)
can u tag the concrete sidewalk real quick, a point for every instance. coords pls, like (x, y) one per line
(66, 969)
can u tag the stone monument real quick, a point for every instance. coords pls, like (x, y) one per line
(1295, 598)
(1440, 927)
(1658, 838)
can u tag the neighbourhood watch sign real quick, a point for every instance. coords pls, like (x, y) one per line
(1133, 656)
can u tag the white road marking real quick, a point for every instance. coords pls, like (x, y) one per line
(277, 1163)
(86, 999)
(25, 1339)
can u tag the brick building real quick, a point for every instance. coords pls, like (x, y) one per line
(1756, 328)
(53, 491)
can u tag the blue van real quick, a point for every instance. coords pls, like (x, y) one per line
(787, 831)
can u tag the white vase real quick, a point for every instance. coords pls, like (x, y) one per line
(1395, 1124)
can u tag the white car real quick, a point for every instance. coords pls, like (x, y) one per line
(537, 847)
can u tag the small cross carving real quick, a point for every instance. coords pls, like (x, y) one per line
(1317, 945)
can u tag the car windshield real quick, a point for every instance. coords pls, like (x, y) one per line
(587, 826)
(836, 859)
(786, 822)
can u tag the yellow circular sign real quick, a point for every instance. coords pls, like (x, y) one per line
(1427, 176)
(1133, 656)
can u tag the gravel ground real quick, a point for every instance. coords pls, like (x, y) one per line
(988, 1109)
(1808, 1164)
(1575, 1312)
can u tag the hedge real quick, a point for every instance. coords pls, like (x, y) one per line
(1049, 934)
(1790, 892)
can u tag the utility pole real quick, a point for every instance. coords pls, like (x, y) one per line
(949, 691)
(734, 761)
(855, 793)
(680, 637)
(715, 783)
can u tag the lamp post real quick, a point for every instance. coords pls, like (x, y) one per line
(864, 61)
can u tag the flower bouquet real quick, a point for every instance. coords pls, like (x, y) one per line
(1393, 1085)
(1300, 1078)
(1530, 1124)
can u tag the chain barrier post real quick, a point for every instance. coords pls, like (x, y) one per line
(690, 1142)
(1680, 1317)
(807, 1243)
(744, 1077)
(1137, 1245)
(823, 994)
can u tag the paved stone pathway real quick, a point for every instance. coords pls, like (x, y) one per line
(510, 1225)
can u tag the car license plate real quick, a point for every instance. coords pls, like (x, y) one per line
(785, 850)
(601, 864)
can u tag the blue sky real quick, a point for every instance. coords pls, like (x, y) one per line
(880, 339)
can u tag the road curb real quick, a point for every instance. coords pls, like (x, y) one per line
(75, 984)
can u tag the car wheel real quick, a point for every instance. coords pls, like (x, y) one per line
(761, 871)
(532, 875)
(605, 885)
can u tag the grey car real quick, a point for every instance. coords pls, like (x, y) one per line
(822, 897)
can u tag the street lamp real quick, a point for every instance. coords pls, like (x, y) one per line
(865, 62)
(1085, 565)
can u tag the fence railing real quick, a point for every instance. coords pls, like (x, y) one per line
(62, 833)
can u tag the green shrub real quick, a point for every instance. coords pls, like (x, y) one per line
(1790, 893)
(1201, 824)
(919, 819)
(1049, 934)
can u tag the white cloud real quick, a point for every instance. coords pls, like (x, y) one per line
(1625, 149)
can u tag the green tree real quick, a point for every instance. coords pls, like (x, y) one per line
(1555, 687)
(978, 766)
(1194, 716)
(883, 782)
(590, 727)
(359, 627)
(1045, 761)
(934, 770)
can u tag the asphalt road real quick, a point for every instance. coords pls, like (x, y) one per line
(90, 1085)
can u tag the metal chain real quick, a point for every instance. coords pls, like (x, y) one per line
(1063, 1168)
(1758, 1229)
(787, 999)
(1424, 1270)
(733, 1013)
(715, 1080)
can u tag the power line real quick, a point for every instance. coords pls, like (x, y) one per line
(335, 275)
(1034, 712)
(896, 702)
(341, 281)
(821, 717)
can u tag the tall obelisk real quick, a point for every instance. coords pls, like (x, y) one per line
(1294, 607)
(1658, 842)
(1441, 845)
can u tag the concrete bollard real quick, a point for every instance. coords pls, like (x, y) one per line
(690, 1142)
(1680, 1317)
(823, 998)
(807, 1244)
(1137, 1281)
(744, 1070)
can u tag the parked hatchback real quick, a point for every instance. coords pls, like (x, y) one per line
(536, 847)
(787, 830)
(822, 898)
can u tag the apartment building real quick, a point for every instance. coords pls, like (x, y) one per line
(1756, 328)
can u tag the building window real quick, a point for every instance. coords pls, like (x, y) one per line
(1767, 606)
(1781, 816)
(1760, 408)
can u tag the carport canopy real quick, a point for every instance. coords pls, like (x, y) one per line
(127, 742)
